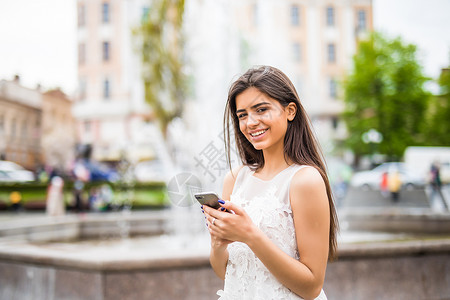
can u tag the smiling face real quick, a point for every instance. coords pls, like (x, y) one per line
(263, 120)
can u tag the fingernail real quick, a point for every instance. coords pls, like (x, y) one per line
(221, 201)
(222, 208)
(203, 211)
(201, 206)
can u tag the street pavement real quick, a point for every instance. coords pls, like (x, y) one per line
(357, 197)
(420, 198)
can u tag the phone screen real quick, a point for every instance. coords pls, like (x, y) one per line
(208, 198)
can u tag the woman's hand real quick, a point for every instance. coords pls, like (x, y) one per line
(217, 243)
(230, 223)
(219, 253)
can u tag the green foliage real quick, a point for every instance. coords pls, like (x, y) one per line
(34, 194)
(385, 92)
(161, 50)
(438, 129)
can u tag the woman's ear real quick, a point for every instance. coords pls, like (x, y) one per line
(291, 110)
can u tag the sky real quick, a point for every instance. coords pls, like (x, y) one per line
(38, 38)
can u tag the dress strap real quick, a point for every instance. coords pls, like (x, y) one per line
(242, 174)
(295, 169)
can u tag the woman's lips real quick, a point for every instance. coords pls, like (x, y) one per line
(259, 134)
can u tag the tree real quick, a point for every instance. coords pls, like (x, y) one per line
(161, 50)
(438, 125)
(385, 92)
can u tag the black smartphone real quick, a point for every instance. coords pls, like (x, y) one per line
(208, 198)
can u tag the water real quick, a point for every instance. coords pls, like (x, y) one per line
(154, 247)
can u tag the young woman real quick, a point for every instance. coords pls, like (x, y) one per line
(274, 236)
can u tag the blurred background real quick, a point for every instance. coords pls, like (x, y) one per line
(117, 106)
(98, 88)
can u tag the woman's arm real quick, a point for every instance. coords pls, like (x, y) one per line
(311, 214)
(219, 253)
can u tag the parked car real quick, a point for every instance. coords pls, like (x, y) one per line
(372, 179)
(12, 172)
(4, 177)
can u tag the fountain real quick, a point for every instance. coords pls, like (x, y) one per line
(45, 258)
(86, 256)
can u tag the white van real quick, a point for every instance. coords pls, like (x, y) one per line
(421, 158)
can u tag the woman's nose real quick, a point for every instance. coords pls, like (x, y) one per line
(252, 120)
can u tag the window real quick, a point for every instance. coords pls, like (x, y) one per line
(331, 53)
(106, 51)
(332, 87)
(295, 20)
(13, 128)
(145, 13)
(297, 52)
(105, 12)
(24, 129)
(81, 15)
(330, 16)
(361, 19)
(81, 54)
(82, 88)
(87, 126)
(106, 89)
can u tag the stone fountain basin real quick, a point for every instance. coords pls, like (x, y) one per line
(84, 226)
(113, 241)
(62, 258)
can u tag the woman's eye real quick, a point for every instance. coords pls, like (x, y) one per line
(240, 116)
(262, 109)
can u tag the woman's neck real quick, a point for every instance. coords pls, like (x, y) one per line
(274, 161)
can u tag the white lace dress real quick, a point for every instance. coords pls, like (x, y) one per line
(268, 205)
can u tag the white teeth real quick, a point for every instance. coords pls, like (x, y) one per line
(258, 133)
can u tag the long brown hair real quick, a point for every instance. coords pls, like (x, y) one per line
(300, 144)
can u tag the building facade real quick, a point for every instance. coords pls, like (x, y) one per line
(36, 128)
(58, 130)
(110, 109)
(313, 42)
(20, 124)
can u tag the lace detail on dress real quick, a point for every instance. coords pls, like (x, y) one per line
(269, 208)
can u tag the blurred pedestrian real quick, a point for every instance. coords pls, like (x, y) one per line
(78, 189)
(395, 185)
(384, 189)
(436, 184)
(15, 198)
(55, 198)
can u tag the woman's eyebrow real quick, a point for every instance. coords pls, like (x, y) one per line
(252, 107)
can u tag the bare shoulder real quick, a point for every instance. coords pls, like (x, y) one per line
(228, 182)
(307, 184)
(308, 177)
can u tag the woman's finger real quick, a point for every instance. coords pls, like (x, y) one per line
(233, 208)
(216, 213)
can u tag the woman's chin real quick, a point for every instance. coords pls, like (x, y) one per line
(259, 146)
